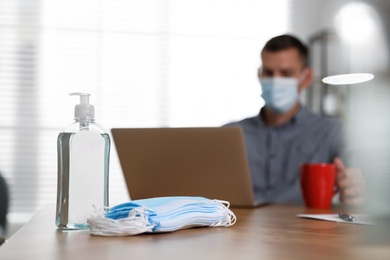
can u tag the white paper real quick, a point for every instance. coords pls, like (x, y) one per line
(360, 218)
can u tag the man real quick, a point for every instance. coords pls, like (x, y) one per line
(285, 134)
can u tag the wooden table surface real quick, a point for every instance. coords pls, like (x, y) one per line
(268, 232)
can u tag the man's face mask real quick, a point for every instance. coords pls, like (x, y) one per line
(280, 94)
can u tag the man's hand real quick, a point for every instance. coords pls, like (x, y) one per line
(350, 183)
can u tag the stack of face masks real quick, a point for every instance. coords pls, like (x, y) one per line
(163, 214)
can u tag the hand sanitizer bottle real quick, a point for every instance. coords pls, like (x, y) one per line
(83, 167)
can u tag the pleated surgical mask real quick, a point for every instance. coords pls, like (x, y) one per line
(280, 94)
(163, 214)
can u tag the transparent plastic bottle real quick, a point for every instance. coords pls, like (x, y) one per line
(83, 168)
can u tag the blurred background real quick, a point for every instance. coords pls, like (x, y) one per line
(176, 63)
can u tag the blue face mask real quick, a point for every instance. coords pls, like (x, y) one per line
(163, 214)
(280, 94)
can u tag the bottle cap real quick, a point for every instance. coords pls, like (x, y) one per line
(84, 110)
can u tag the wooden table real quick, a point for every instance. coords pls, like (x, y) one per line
(268, 232)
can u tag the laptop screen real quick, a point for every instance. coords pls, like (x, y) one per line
(208, 162)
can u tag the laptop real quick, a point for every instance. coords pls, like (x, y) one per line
(210, 162)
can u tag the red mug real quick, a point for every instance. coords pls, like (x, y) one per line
(317, 183)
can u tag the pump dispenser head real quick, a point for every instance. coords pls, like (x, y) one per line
(83, 111)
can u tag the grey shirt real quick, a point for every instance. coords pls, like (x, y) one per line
(276, 153)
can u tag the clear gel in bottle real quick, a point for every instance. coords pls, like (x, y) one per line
(83, 150)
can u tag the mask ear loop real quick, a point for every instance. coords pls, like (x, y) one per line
(136, 223)
(230, 217)
(259, 70)
(303, 75)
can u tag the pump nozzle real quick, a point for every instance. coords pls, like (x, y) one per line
(84, 110)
